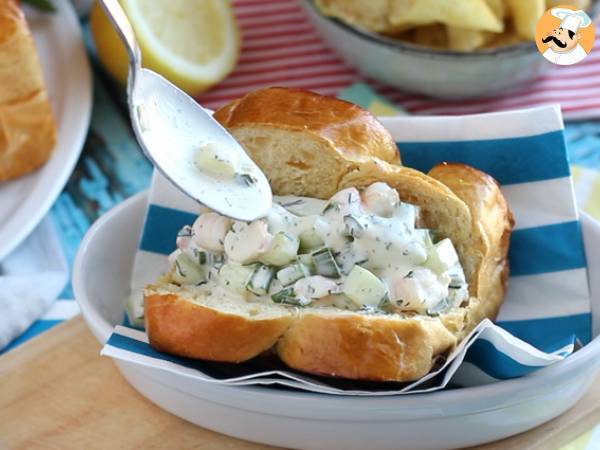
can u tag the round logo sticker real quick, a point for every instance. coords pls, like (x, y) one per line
(565, 35)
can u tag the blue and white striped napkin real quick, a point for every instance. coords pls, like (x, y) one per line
(547, 307)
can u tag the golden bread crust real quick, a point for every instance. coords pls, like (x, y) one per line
(27, 129)
(303, 141)
(178, 326)
(487, 249)
(364, 347)
(458, 201)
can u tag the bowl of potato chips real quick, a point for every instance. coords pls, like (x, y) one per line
(442, 48)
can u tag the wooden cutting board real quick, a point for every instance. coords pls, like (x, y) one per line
(56, 392)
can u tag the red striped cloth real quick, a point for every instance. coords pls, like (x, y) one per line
(280, 47)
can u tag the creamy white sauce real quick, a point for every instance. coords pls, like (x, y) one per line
(373, 230)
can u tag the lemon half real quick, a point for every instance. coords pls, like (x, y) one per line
(192, 43)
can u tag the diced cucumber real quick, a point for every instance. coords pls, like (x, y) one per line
(279, 297)
(207, 259)
(216, 159)
(457, 294)
(287, 297)
(277, 219)
(309, 239)
(364, 288)
(134, 308)
(216, 259)
(187, 271)
(283, 250)
(353, 226)
(442, 256)
(307, 260)
(425, 235)
(234, 277)
(457, 277)
(325, 263)
(260, 279)
(292, 273)
(440, 308)
(349, 256)
(201, 257)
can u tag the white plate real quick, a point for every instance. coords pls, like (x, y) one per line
(25, 201)
(445, 419)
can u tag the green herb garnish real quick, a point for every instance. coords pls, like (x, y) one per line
(331, 206)
(245, 179)
(287, 297)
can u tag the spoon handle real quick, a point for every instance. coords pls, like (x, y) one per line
(117, 16)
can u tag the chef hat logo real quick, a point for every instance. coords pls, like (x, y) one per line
(565, 35)
(570, 19)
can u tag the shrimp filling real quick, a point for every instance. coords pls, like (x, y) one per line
(357, 251)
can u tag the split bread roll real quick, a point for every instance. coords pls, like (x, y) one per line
(27, 129)
(457, 201)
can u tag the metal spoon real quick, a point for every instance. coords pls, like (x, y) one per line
(171, 128)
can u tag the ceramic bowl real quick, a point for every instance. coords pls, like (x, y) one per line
(433, 72)
(445, 419)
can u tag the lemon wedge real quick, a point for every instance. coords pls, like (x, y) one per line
(192, 43)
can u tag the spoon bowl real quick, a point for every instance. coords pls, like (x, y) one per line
(171, 127)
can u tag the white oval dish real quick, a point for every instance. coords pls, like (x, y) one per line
(25, 200)
(446, 419)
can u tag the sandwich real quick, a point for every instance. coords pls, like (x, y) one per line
(27, 128)
(363, 269)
